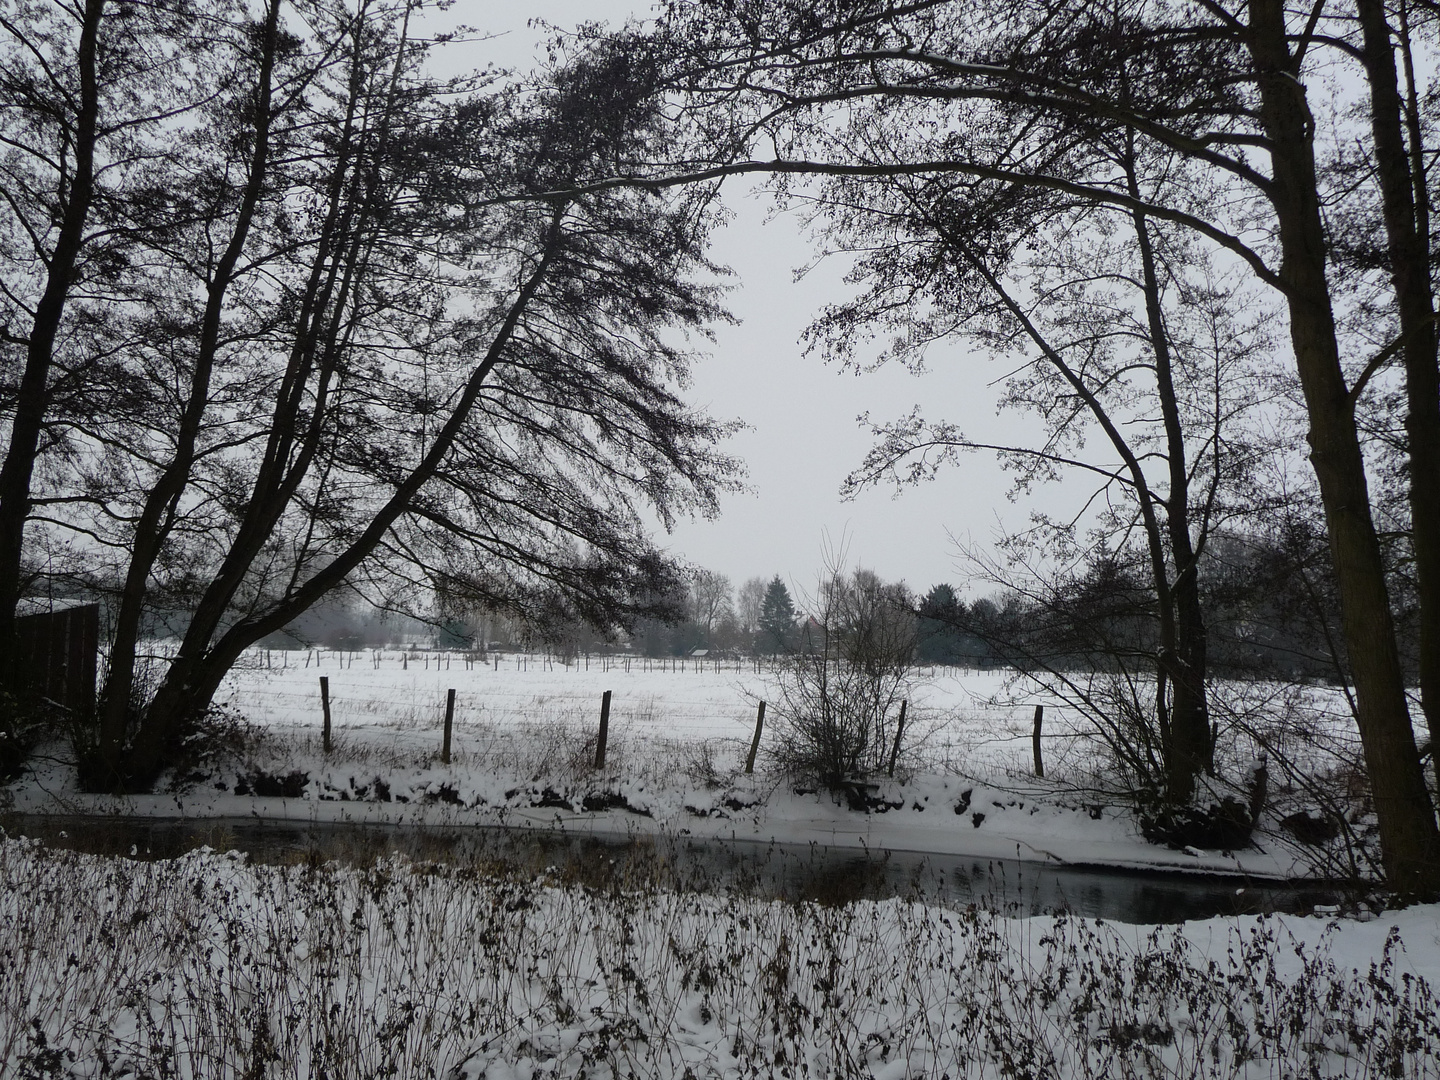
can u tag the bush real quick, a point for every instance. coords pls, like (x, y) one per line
(839, 695)
(833, 720)
(1223, 826)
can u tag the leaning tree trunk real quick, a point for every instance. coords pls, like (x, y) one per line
(191, 681)
(1410, 269)
(1409, 840)
(343, 245)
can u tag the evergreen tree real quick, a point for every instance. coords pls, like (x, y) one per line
(941, 613)
(777, 617)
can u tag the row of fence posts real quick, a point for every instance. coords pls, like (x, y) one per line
(603, 735)
(601, 739)
(345, 658)
(326, 742)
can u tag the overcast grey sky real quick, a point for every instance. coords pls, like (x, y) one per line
(803, 438)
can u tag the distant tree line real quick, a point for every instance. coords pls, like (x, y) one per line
(1271, 604)
(1270, 598)
(703, 613)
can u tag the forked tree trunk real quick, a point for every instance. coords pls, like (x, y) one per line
(191, 680)
(1409, 840)
(105, 771)
(342, 248)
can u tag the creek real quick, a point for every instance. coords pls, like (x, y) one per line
(793, 872)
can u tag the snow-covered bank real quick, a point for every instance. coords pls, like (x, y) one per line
(523, 747)
(206, 966)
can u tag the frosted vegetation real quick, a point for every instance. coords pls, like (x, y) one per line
(207, 966)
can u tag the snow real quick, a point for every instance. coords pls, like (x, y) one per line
(208, 965)
(679, 732)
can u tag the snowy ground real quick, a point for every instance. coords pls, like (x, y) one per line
(207, 966)
(523, 750)
(210, 966)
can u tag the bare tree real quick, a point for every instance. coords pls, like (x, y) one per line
(1018, 97)
(709, 599)
(749, 603)
(89, 95)
(402, 366)
(1128, 336)
(1400, 173)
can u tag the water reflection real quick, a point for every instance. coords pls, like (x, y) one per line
(793, 872)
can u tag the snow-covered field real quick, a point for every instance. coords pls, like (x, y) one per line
(523, 747)
(654, 702)
(207, 966)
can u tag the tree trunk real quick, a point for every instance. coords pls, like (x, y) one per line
(161, 505)
(319, 330)
(1190, 743)
(1409, 840)
(32, 397)
(191, 681)
(1410, 270)
(1179, 778)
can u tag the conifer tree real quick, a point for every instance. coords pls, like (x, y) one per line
(777, 617)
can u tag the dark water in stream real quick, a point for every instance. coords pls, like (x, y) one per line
(795, 872)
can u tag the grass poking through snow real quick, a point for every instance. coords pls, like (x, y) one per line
(207, 966)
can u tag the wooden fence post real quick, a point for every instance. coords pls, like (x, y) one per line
(449, 720)
(604, 730)
(1035, 741)
(755, 742)
(899, 730)
(325, 708)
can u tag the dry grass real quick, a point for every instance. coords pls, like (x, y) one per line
(208, 967)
